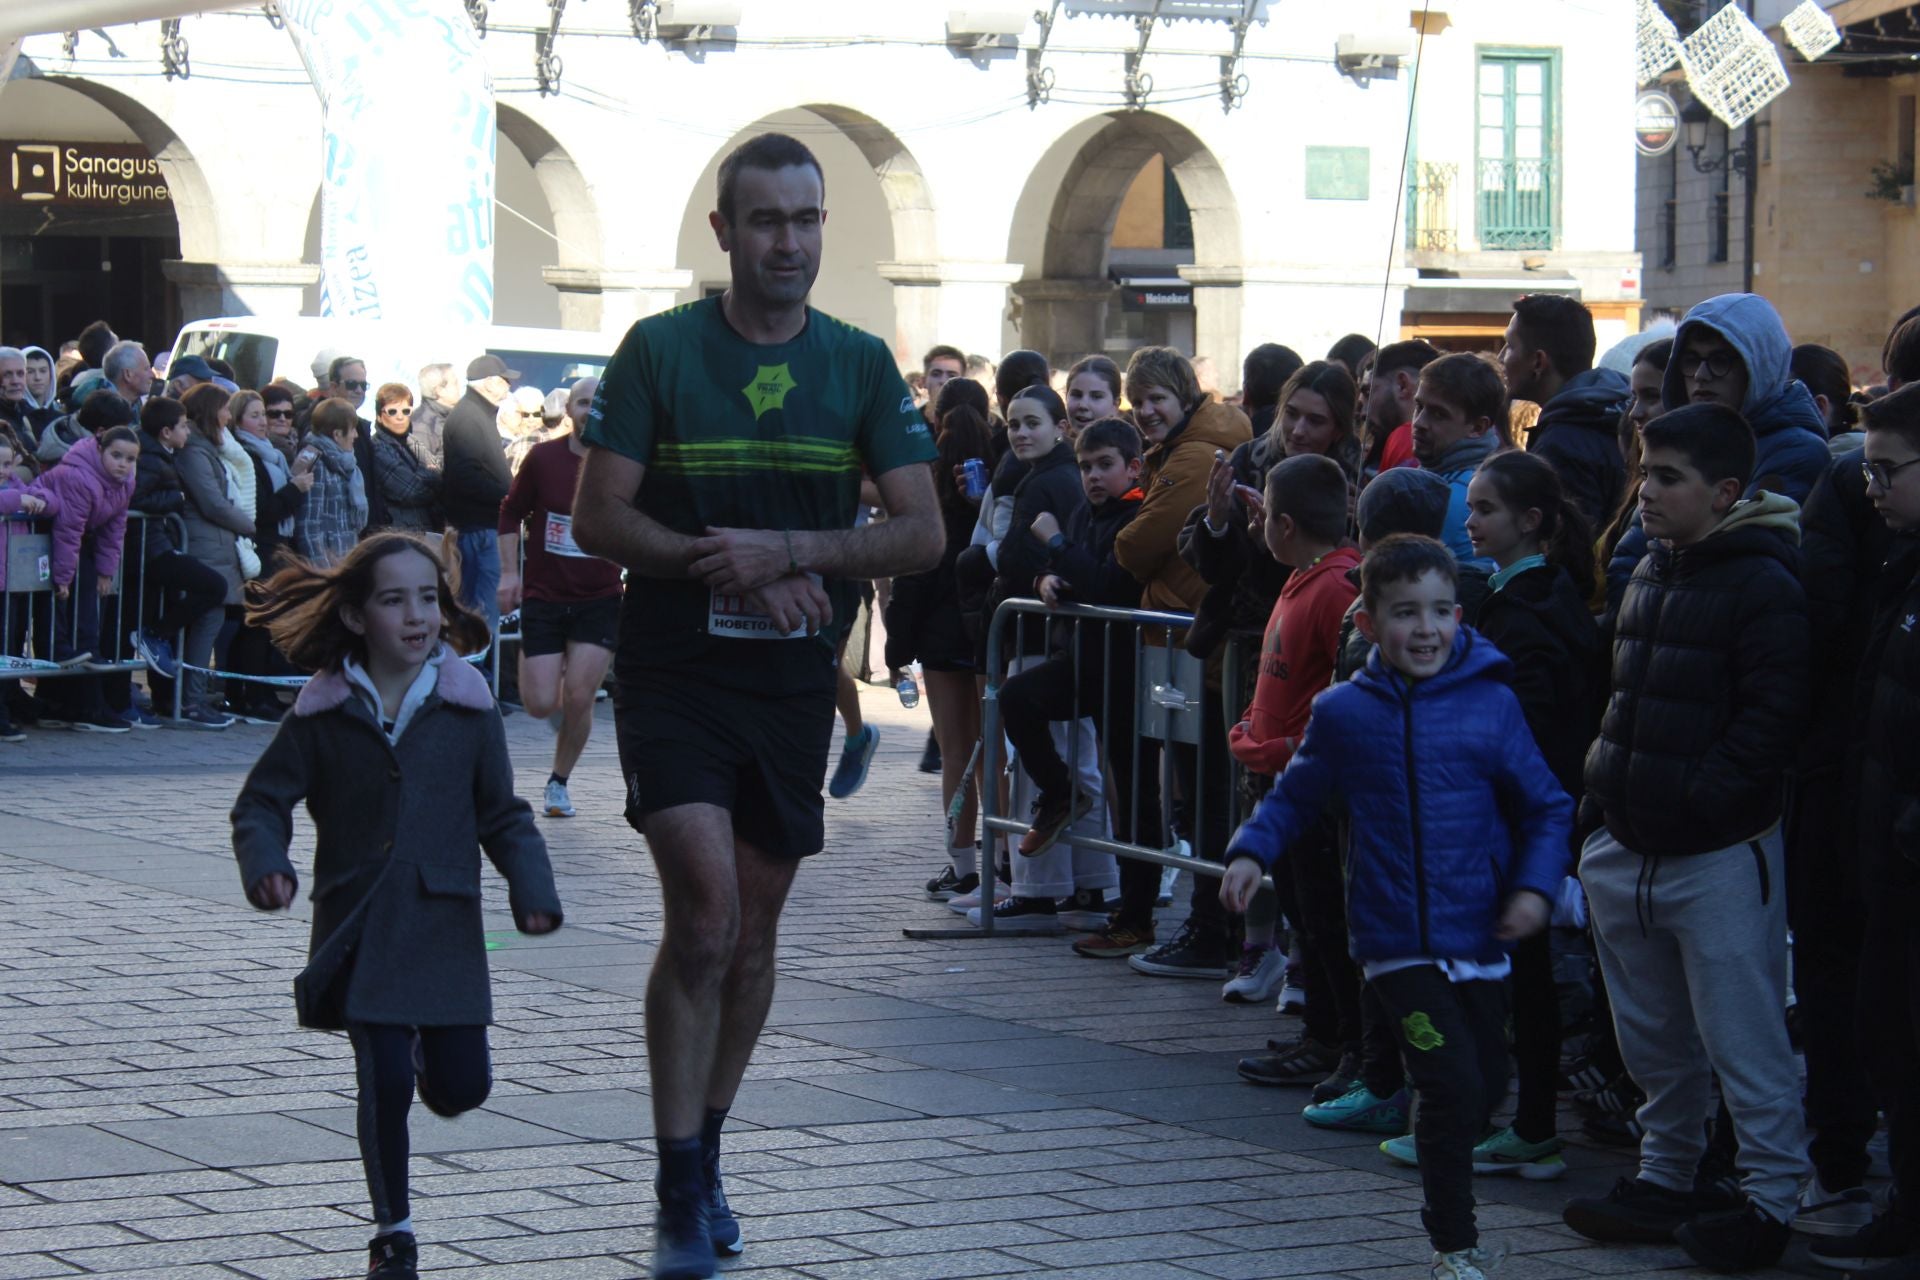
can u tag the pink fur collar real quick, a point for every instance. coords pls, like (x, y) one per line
(460, 684)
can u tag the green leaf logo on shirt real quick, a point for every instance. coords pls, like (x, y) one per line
(1421, 1033)
(769, 388)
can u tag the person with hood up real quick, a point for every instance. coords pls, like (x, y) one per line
(1685, 877)
(1548, 358)
(86, 496)
(1733, 350)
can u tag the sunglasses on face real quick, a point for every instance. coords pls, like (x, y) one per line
(280, 413)
(354, 386)
(397, 410)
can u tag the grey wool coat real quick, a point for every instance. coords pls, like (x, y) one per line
(401, 826)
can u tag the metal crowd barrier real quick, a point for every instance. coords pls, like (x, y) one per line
(1168, 690)
(29, 604)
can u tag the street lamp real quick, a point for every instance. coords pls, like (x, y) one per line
(1695, 117)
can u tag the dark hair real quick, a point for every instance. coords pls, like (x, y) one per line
(300, 605)
(338, 365)
(96, 340)
(962, 430)
(1403, 557)
(1332, 383)
(1019, 370)
(1312, 490)
(943, 352)
(1898, 412)
(118, 435)
(1101, 367)
(1900, 358)
(1351, 350)
(1412, 355)
(104, 409)
(390, 392)
(1265, 370)
(1526, 481)
(280, 392)
(1560, 326)
(1110, 433)
(332, 416)
(767, 151)
(221, 369)
(160, 413)
(1470, 385)
(1659, 352)
(1049, 400)
(203, 405)
(1825, 373)
(1715, 440)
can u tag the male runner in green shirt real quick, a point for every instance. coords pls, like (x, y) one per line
(724, 459)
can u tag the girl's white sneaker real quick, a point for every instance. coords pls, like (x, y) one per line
(1469, 1264)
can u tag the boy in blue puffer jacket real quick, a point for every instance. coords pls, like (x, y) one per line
(1459, 844)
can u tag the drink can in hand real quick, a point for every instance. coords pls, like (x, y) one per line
(976, 473)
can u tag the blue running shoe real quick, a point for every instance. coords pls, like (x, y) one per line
(855, 757)
(722, 1226)
(1360, 1110)
(682, 1240)
(156, 653)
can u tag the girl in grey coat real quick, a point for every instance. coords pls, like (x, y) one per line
(400, 757)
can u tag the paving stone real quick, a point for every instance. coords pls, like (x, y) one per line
(58, 1152)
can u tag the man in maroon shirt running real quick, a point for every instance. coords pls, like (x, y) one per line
(569, 601)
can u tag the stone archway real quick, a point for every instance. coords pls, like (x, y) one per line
(1064, 305)
(579, 272)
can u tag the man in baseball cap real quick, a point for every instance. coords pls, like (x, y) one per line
(475, 477)
(491, 367)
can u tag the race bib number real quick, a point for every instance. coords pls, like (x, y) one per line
(731, 616)
(559, 537)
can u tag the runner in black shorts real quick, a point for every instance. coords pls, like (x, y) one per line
(569, 601)
(724, 457)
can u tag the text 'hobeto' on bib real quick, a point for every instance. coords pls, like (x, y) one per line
(730, 615)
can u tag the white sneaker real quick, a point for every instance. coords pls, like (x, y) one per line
(1292, 1001)
(1263, 970)
(1468, 1264)
(1832, 1213)
(966, 902)
(559, 803)
(1170, 876)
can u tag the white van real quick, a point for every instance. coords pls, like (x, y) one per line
(262, 348)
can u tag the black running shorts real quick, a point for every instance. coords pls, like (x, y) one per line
(761, 758)
(547, 628)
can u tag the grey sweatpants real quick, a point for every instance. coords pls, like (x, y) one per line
(1694, 950)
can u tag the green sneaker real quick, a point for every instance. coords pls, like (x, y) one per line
(1360, 1110)
(1507, 1152)
(1400, 1150)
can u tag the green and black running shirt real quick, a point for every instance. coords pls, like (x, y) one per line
(736, 435)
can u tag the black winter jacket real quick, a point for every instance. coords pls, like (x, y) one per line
(157, 492)
(1709, 688)
(475, 477)
(1889, 814)
(1543, 626)
(1052, 485)
(1087, 564)
(923, 609)
(1243, 580)
(1578, 433)
(1843, 545)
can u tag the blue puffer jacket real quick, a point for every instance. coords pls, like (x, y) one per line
(1453, 808)
(1790, 453)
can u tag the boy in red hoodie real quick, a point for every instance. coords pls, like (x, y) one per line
(1306, 524)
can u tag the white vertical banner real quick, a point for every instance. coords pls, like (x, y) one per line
(407, 170)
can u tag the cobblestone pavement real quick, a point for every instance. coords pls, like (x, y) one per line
(916, 1109)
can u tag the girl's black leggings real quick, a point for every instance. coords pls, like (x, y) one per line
(453, 1075)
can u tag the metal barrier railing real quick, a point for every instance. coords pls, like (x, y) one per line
(31, 609)
(1160, 690)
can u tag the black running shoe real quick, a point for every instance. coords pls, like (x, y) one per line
(394, 1256)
